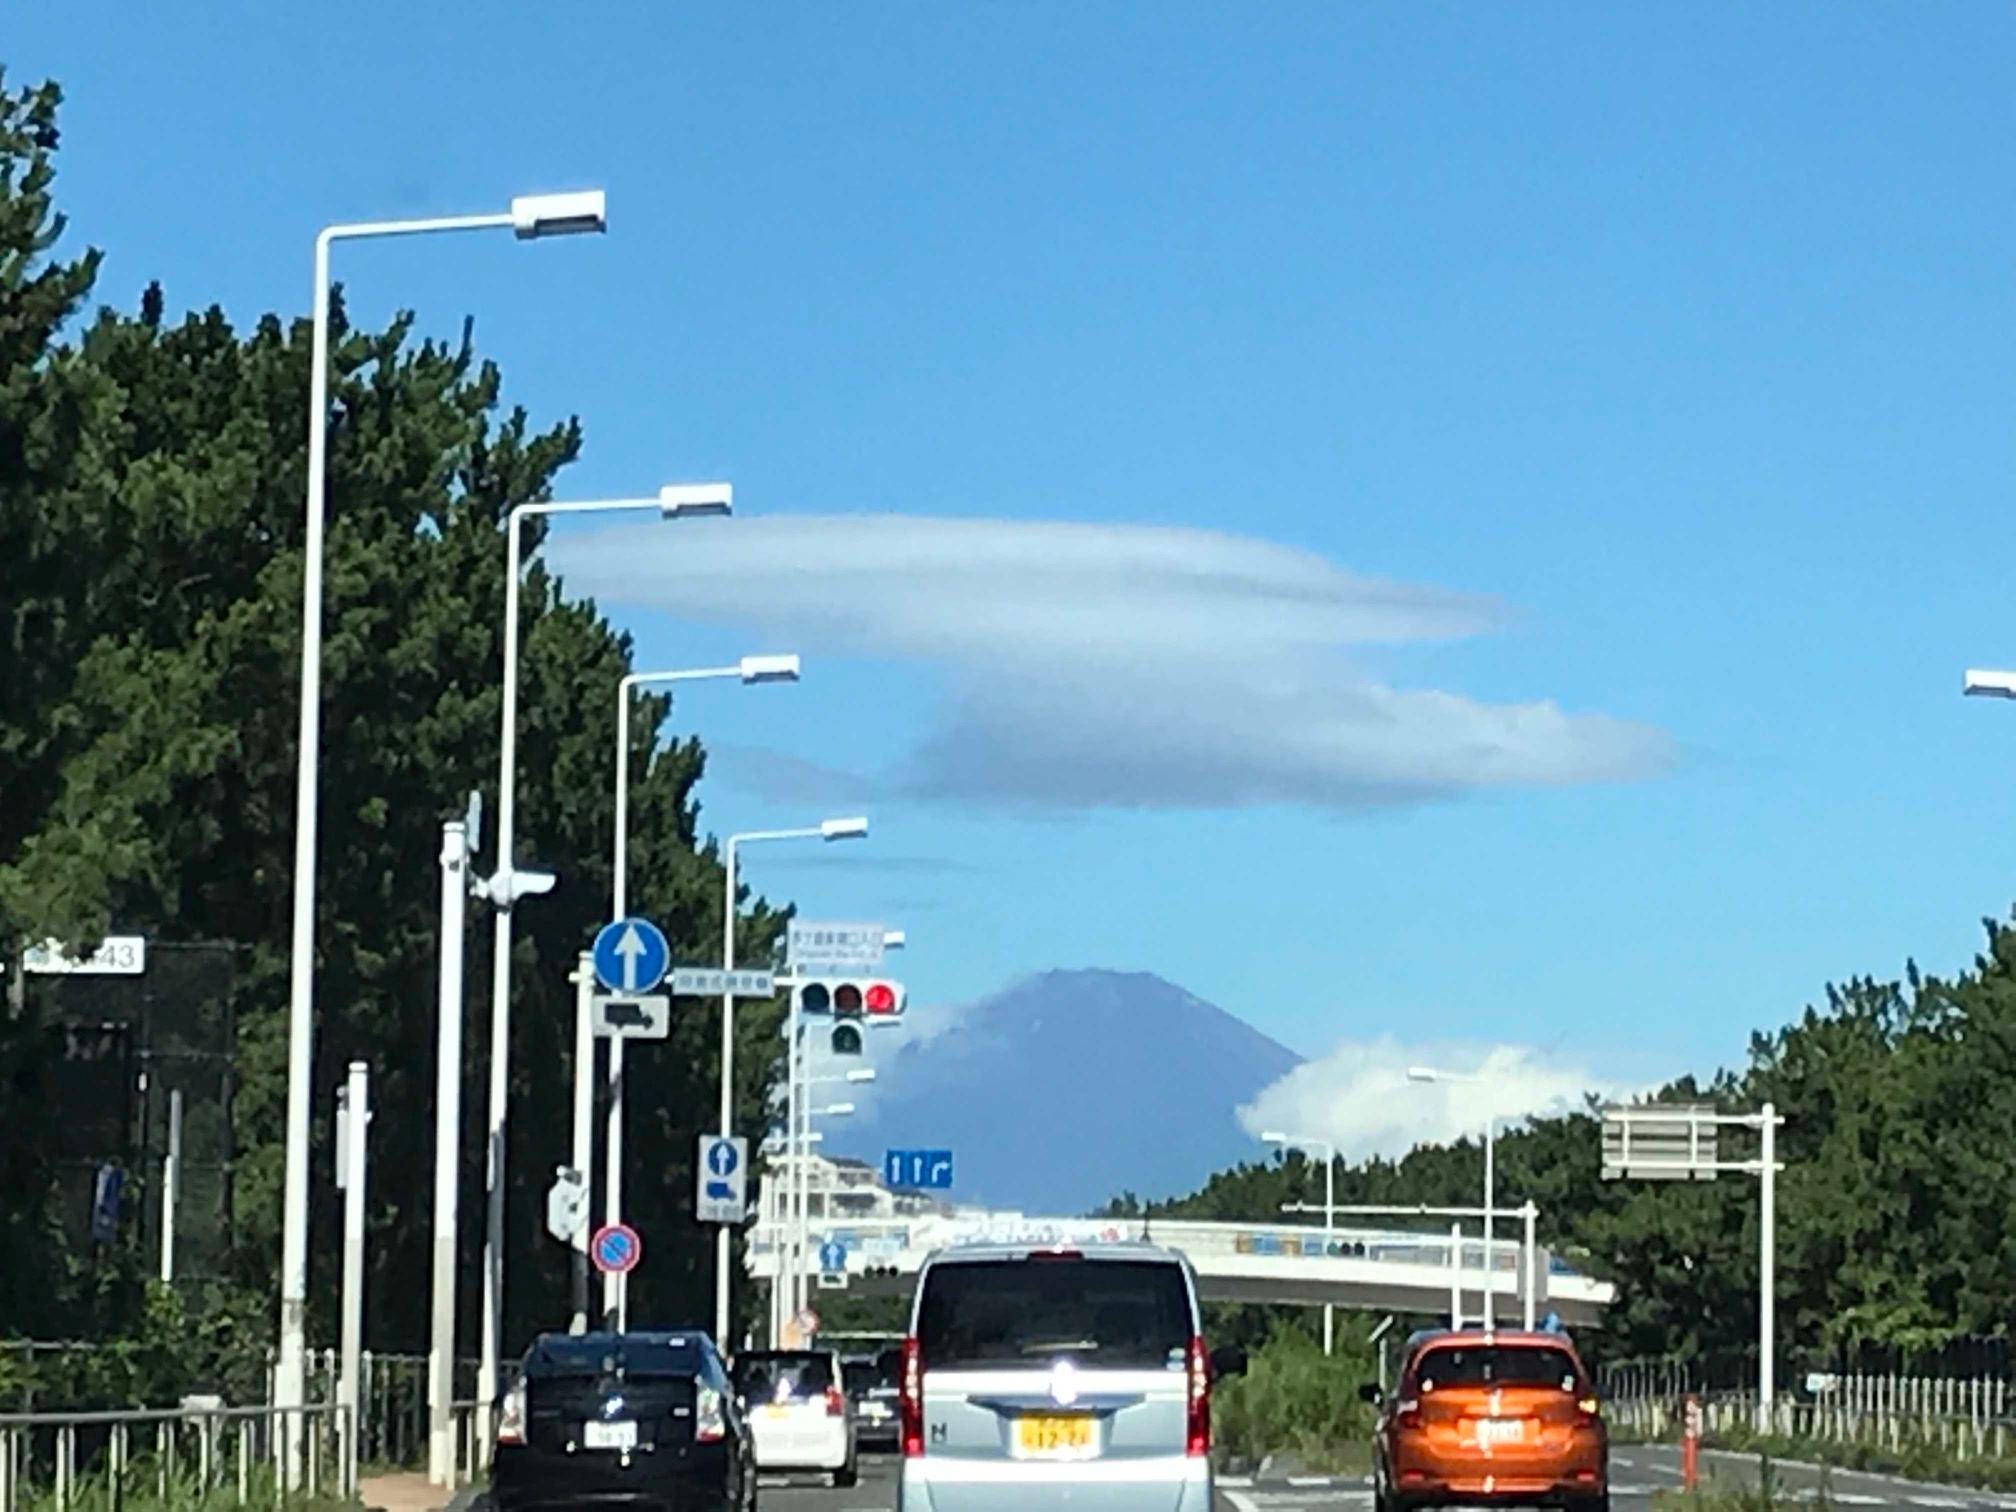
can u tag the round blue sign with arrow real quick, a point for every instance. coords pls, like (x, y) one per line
(616, 1248)
(631, 956)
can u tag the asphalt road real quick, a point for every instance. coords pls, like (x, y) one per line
(1636, 1472)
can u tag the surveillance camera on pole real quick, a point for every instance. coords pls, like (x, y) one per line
(505, 888)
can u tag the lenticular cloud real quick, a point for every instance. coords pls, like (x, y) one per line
(1132, 666)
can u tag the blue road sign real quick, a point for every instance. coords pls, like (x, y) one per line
(631, 956)
(917, 1170)
(832, 1256)
(723, 1195)
(617, 1248)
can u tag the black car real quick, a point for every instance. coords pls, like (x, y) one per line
(606, 1419)
(871, 1388)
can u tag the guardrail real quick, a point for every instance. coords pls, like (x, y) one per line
(185, 1455)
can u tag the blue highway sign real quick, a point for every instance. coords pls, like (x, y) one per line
(631, 956)
(917, 1170)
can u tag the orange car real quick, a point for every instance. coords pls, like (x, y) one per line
(1499, 1418)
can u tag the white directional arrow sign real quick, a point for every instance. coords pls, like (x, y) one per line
(631, 956)
(631, 948)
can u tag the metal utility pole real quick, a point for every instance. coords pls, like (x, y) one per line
(1669, 1142)
(354, 1132)
(455, 846)
(171, 1183)
(584, 1116)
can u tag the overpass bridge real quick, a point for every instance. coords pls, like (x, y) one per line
(1383, 1270)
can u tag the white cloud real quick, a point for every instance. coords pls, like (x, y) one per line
(1361, 1098)
(1127, 666)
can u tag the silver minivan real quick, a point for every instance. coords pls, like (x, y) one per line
(1039, 1376)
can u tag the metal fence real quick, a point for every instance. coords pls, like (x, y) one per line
(391, 1406)
(188, 1456)
(1961, 1415)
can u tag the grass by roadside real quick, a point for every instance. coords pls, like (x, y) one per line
(1918, 1462)
(1294, 1402)
(1716, 1495)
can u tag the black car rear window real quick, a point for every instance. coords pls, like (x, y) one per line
(1131, 1314)
(574, 1358)
(1497, 1365)
(783, 1377)
(864, 1375)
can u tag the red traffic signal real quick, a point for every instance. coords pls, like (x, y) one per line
(880, 998)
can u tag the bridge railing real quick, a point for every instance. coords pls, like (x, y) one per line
(891, 1240)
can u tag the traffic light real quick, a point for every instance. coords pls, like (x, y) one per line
(850, 998)
(846, 1039)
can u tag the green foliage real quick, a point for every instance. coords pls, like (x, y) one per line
(1898, 1098)
(151, 530)
(1295, 1401)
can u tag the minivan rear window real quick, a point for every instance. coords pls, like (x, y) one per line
(1129, 1314)
(783, 1377)
(1497, 1365)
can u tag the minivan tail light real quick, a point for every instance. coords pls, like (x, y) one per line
(910, 1399)
(511, 1420)
(836, 1402)
(1197, 1439)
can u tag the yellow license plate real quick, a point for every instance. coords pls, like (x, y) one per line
(1054, 1437)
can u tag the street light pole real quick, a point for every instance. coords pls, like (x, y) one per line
(828, 829)
(676, 501)
(529, 216)
(1426, 1074)
(750, 670)
(1329, 1149)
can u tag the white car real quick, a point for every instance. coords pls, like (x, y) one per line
(798, 1412)
(1041, 1377)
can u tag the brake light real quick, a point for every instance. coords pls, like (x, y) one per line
(1588, 1407)
(1197, 1441)
(710, 1422)
(1407, 1416)
(836, 1402)
(511, 1421)
(1056, 1254)
(910, 1399)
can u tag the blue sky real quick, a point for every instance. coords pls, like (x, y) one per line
(1673, 345)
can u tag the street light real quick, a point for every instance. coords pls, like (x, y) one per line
(1985, 684)
(1427, 1074)
(530, 216)
(852, 828)
(674, 502)
(1329, 1149)
(751, 671)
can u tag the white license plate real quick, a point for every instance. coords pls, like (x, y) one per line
(1501, 1431)
(609, 1435)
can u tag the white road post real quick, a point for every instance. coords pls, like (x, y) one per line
(1767, 1299)
(1531, 1215)
(584, 1118)
(447, 1154)
(356, 1137)
(1456, 1275)
(530, 216)
(171, 1183)
(1329, 1234)
(1490, 1222)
